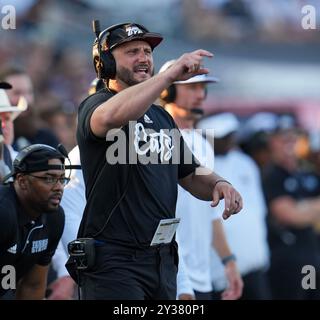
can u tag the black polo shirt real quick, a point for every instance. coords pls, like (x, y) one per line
(25, 242)
(299, 185)
(137, 194)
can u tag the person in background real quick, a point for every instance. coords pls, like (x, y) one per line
(62, 125)
(293, 201)
(198, 226)
(253, 138)
(8, 113)
(126, 203)
(73, 203)
(247, 233)
(31, 219)
(36, 131)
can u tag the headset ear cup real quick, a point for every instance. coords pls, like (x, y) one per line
(104, 65)
(95, 56)
(97, 66)
(169, 95)
(108, 68)
(164, 95)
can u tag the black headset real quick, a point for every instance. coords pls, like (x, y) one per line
(103, 60)
(169, 95)
(95, 86)
(25, 152)
(19, 165)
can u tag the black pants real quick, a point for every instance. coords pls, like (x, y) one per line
(203, 295)
(122, 273)
(286, 276)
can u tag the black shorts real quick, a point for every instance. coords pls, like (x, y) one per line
(122, 273)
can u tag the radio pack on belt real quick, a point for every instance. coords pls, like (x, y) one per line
(82, 252)
(82, 256)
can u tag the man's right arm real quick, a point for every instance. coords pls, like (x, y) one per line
(295, 213)
(131, 103)
(33, 284)
(128, 104)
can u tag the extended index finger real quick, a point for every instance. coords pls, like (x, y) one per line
(204, 53)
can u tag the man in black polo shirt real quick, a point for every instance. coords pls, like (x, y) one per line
(292, 193)
(131, 179)
(31, 220)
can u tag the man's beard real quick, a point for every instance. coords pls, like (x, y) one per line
(127, 76)
(45, 207)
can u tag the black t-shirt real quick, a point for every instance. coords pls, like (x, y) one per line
(25, 242)
(138, 195)
(300, 185)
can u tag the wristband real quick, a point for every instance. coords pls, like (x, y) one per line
(220, 180)
(227, 259)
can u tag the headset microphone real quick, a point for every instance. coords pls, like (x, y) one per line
(197, 111)
(96, 27)
(193, 111)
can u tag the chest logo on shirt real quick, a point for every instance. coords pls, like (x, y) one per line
(153, 142)
(13, 249)
(146, 119)
(39, 245)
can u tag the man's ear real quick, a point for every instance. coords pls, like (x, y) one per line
(21, 180)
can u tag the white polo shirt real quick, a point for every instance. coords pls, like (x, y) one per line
(73, 202)
(194, 234)
(246, 232)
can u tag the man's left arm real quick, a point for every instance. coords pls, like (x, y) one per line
(33, 285)
(212, 187)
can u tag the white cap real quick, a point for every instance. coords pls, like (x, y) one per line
(199, 78)
(262, 121)
(222, 124)
(5, 105)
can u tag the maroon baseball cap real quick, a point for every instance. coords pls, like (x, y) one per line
(127, 32)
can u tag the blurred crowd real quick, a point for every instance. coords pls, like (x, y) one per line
(244, 20)
(53, 38)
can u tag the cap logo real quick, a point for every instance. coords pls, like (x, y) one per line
(132, 30)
